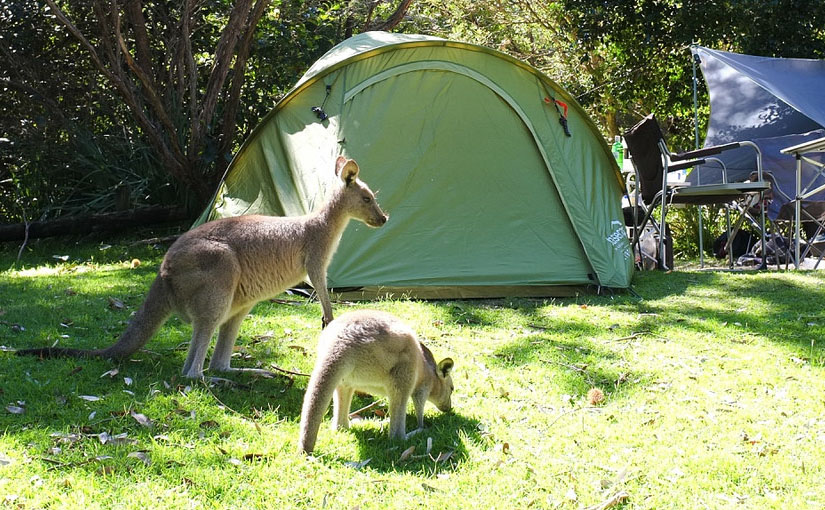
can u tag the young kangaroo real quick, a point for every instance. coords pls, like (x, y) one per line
(214, 274)
(376, 353)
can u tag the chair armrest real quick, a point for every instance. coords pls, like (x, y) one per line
(673, 167)
(706, 151)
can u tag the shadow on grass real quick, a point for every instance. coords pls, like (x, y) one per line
(773, 304)
(448, 433)
(580, 367)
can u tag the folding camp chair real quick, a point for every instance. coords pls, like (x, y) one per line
(653, 162)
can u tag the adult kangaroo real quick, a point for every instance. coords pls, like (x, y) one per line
(214, 274)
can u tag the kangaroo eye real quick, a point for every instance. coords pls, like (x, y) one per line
(366, 200)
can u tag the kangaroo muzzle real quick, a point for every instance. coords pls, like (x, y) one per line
(379, 220)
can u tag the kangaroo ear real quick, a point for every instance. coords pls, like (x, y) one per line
(339, 164)
(445, 366)
(346, 169)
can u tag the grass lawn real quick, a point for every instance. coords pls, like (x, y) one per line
(713, 383)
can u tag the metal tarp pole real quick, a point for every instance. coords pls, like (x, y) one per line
(696, 60)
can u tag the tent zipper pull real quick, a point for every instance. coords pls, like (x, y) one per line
(562, 115)
(319, 110)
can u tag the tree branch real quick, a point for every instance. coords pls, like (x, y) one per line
(83, 41)
(134, 13)
(393, 20)
(189, 71)
(217, 77)
(233, 97)
(160, 110)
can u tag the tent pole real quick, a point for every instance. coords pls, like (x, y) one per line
(695, 60)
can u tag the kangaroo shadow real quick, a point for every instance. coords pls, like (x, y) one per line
(447, 434)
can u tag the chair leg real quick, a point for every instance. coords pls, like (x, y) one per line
(730, 236)
(662, 234)
(701, 238)
(764, 264)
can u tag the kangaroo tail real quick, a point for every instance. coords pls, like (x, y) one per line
(322, 383)
(156, 308)
(147, 320)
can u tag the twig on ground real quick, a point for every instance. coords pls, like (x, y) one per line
(632, 336)
(365, 408)
(155, 240)
(614, 500)
(575, 368)
(285, 371)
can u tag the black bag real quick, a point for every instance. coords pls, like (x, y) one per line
(743, 241)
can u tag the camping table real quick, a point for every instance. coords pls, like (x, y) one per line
(798, 152)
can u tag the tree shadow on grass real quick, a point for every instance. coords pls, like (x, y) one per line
(580, 367)
(768, 303)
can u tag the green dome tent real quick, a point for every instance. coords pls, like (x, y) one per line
(487, 194)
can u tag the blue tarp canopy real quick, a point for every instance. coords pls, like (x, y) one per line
(774, 102)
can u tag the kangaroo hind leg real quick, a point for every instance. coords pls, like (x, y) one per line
(202, 332)
(224, 347)
(207, 314)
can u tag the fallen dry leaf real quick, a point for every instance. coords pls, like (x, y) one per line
(444, 456)
(111, 373)
(406, 453)
(61, 437)
(357, 465)
(142, 419)
(141, 455)
(15, 409)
